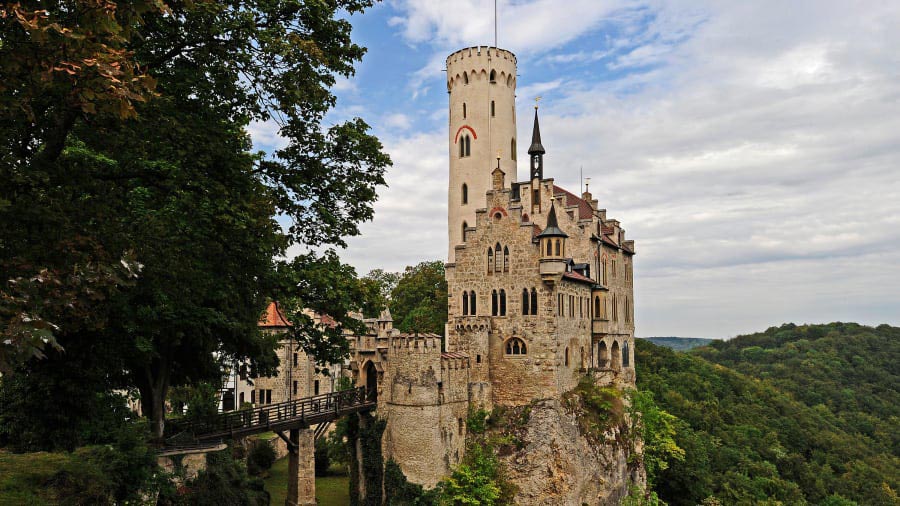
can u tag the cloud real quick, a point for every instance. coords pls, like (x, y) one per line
(751, 149)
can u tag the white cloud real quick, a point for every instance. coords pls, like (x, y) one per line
(751, 149)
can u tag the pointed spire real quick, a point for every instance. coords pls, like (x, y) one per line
(536, 146)
(552, 229)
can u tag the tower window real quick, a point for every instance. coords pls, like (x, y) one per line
(498, 258)
(534, 301)
(464, 227)
(465, 303)
(502, 302)
(468, 142)
(494, 303)
(505, 259)
(516, 346)
(465, 78)
(465, 193)
(558, 253)
(473, 308)
(464, 110)
(525, 307)
(493, 109)
(490, 260)
(567, 356)
(493, 76)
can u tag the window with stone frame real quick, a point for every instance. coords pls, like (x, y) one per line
(495, 306)
(506, 259)
(502, 302)
(516, 346)
(534, 302)
(525, 306)
(490, 260)
(498, 258)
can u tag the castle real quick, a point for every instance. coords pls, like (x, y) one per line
(539, 280)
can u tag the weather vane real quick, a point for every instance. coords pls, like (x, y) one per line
(536, 100)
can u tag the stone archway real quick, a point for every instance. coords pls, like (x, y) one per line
(602, 355)
(616, 356)
(370, 380)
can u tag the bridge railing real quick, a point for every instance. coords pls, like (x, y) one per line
(274, 414)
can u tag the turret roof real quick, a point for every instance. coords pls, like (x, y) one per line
(536, 146)
(552, 229)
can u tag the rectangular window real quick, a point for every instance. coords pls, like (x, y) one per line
(295, 388)
(253, 397)
(295, 360)
(316, 387)
(268, 397)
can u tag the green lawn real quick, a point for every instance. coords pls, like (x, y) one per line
(23, 477)
(330, 490)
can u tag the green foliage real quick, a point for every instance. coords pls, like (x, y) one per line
(146, 245)
(399, 491)
(638, 497)
(476, 422)
(336, 444)
(109, 474)
(367, 430)
(656, 430)
(322, 457)
(804, 422)
(474, 481)
(419, 301)
(679, 343)
(260, 458)
(223, 482)
(378, 285)
(598, 409)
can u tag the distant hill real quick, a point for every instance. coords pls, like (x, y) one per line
(679, 343)
(793, 415)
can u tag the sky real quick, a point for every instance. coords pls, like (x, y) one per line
(751, 149)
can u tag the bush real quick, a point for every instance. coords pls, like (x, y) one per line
(323, 460)
(260, 458)
(223, 483)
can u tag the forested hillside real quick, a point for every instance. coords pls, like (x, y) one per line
(679, 343)
(796, 414)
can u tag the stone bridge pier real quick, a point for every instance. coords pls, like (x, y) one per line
(301, 468)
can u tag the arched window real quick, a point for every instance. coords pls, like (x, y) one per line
(512, 148)
(465, 303)
(602, 355)
(498, 258)
(473, 308)
(525, 305)
(616, 356)
(597, 306)
(464, 110)
(464, 227)
(494, 303)
(493, 109)
(567, 356)
(626, 360)
(509, 80)
(465, 193)
(558, 251)
(462, 147)
(490, 263)
(516, 346)
(465, 78)
(549, 248)
(605, 275)
(493, 76)
(615, 308)
(525, 218)
(502, 302)
(533, 301)
(505, 259)
(468, 145)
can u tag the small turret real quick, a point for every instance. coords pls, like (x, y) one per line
(536, 150)
(553, 248)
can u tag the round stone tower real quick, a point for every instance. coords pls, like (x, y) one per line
(481, 82)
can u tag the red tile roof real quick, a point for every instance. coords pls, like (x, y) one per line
(273, 317)
(453, 354)
(574, 276)
(585, 212)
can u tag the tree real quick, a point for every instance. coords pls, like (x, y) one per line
(419, 301)
(144, 222)
(378, 285)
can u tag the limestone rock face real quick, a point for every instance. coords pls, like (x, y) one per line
(558, 465)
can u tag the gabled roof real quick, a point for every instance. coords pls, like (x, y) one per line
(585, 212)
(272, 317)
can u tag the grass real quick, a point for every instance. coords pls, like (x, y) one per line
(23, 477)
(332, 490)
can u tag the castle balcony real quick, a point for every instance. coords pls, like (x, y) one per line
(599, 326)
(552, 269)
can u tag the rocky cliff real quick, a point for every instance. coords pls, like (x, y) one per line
(563, 457)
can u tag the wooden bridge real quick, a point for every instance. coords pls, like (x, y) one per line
(296, 416)
(293, 414)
